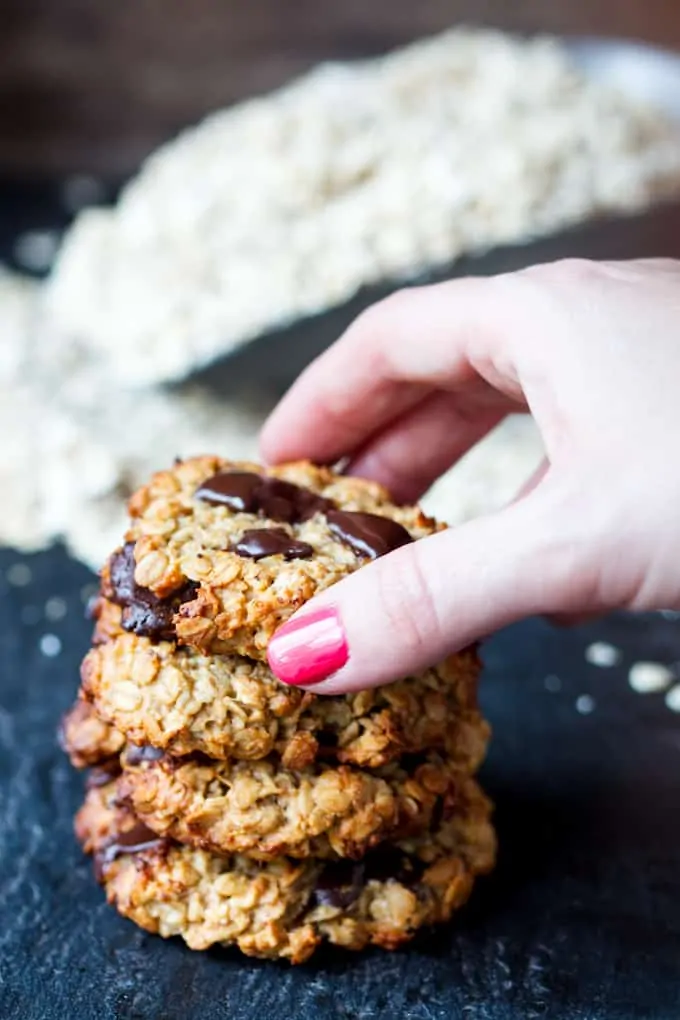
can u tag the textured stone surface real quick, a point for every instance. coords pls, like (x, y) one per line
(581, 919)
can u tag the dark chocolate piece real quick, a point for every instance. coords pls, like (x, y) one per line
(144, 613)
(269, 497)
(387, 862)
(136, 840)
(368, 534)
(137, 754)
(122, 575)
(327, 740)
(339, 885)
(283, 501)
(341, 882)
(103, 773)
(235, 489)
(261, 542)
(412, 761)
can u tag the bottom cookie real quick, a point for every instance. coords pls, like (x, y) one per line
(285, 908)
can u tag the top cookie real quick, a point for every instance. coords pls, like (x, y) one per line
(220, 553)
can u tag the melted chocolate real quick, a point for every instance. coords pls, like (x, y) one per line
(262, 542)
(367, 534)
(388, 862)
(269, 497)
(136, 840)
(339, 885)
(412, 761)
(235, 489)
(327, 740)
(243, 491)
(137, 754)
(144, 613)
(103, 774)
(341, 882)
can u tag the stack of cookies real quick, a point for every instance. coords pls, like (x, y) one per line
(227, 808)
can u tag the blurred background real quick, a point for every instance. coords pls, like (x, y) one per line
(94, 86)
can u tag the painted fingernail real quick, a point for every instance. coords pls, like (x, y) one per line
(309, 648)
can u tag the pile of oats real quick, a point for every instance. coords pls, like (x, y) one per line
(288, 204)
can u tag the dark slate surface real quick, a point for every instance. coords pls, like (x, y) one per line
(581, 919)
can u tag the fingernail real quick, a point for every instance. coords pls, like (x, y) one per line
(309, 648)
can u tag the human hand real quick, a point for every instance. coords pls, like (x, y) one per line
(592, 351)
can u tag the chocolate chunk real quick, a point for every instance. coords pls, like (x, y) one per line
(341, 882)
(283, 501)
(103, 774)
(137, 754)
(339, 885)
(261, 542)
(144, 613)
(235, 489)
(327, 740)
(121, 579)
(368, 534)
(386, 863)
(269, 497)
(136, 840)
(412, 761)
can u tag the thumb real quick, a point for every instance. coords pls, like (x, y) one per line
(412, 608)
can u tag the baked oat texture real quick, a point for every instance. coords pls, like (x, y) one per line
(265, 810)
(227, 707)
(285, 908)
(240, 601)
(87, 739)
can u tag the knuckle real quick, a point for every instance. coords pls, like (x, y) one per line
(373, 318)
(576, 271)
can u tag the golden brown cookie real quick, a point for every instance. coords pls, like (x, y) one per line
(286, 908)
(227, 707)
(264, 810)
(87, 739)
(219, 553)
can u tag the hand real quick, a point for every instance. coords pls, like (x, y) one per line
(592, 351)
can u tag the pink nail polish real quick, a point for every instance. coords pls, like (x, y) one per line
(309, 648)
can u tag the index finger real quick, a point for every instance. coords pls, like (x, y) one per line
(416, 341)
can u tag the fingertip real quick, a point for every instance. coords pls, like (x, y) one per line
(311, 647)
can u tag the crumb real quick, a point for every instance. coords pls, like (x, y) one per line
(602, 654)
(648, 677)
(50, 645)
(585, 704)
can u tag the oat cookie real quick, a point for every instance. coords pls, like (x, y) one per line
(227, 707)
(264, 810)
(221, 553)
(285, 908)
(87, 739)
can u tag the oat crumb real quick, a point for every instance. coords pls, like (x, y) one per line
(585, 704)
(602, 654)
(648, 677)
(50, 645)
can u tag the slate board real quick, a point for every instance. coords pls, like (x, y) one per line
(580, 920)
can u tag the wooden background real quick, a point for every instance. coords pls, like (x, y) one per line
(88, 85)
